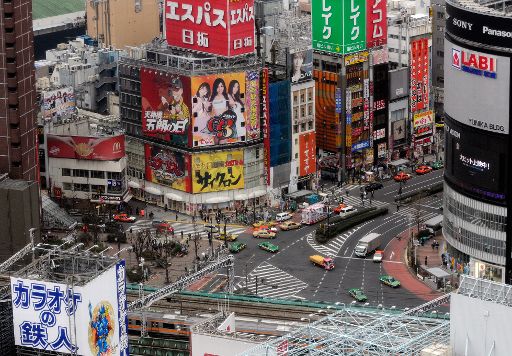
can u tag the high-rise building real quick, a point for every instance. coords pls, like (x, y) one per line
(18, 147)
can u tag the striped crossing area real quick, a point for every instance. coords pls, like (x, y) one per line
(410, 213)
(333, 247)
(356, 201)
(272, 282)
(188, 228)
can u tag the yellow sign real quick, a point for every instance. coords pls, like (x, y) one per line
(423, 118)
(356, 58)
(214, 172)
(348, 136)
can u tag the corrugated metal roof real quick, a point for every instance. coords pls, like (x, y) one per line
(47, 8)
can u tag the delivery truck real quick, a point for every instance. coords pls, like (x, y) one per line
(368, 244)
(313, 214)
(322, 261)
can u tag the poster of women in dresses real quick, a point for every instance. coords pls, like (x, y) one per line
(218, 109)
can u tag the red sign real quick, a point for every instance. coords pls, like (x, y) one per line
(221, 27)
(307, 154)
(165, 106)
(419, 74)
(266, 121)
(90, 148)
(376, 23)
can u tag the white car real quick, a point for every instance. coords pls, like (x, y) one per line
(377, 257)
(283, 217)
(347, 209)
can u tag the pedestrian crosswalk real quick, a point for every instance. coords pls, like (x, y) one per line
(269, 281)
(411, 213)
(188, 228)
(356, 201)
(333, 247)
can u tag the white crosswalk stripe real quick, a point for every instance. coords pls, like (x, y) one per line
(272, 282)
(333, 247)
(356, 201)
(187, 228)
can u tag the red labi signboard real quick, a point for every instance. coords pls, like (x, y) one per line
(376, 23)
(307, 152)
(221, 27)
(89, 148)
(419, 74)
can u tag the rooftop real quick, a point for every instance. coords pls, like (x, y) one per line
(88, 124)
(488, 7)
(48, 8)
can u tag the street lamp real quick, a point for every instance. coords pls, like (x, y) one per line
(129, 248)
(105, 250)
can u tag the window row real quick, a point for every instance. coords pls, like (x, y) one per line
(93, 188)
(83, 173)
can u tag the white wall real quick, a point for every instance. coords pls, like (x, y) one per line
(218, 345)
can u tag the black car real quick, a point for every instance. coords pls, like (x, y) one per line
(373, 186)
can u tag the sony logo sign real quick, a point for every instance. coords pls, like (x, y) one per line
(462, 24)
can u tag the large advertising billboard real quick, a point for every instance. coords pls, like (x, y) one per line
(82, 320)
(477, 88)
(252, 103)
(224, 28)
(339, 26)
(300, 64)
(165, 106)
(376, 23)
(476, 161)
(58, 103)
(217, 171)
(90, 148)
(219, 109)
(166, 167)
(419, 74)
(307, 154)
(265, 113)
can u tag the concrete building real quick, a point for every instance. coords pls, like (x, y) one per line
(438, 25)
(120, 23)
(18, 147)
(19, 212)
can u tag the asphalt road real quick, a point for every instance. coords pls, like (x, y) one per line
(289, 274)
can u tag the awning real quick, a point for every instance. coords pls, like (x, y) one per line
(214, 200)
(133, 184)
(438, 272)
(172, 196)
(241, 196)
(399, 162)
(153, 191)
(257, 193)
(127, 198)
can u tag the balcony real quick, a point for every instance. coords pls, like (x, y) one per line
(10, 37)
(13, 117)
(9, 23)
(12, 83)
(11, 68)
(10, 52)
(16, 154)
(16, 172)
(12, 98)
(15, 136)
(8, 7)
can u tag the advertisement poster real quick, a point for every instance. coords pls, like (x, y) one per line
(165, 106)
(219, 171)
(42, 312)
(90, 148)
(398, 130)
(252, 90)
(354, 25)
(218, 109)
(224, 28)
(307, 154)
(266, 122)
(376, 23)
(423, 119)
(58, 103)
(419, 75)
(300, 63)
(167, 167)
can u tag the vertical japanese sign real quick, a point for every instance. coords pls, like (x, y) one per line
(165, 106)
(221, 27)
(43, 311)
(219, 171)
(266, 122)
(338, 101)
(339, 26)
(307, 154)
(219, 109)
(166, 167)
(419, 74)
(252, 100)
(376, 23)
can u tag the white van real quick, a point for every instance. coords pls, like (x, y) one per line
(283, 217)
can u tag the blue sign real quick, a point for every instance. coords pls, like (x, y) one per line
(339, 101)
(358, 146)
(349, 119)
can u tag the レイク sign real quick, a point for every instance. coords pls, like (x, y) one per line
(474, 63)
(224, 28)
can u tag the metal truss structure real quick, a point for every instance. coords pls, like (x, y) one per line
(16, 257)
(353, 331)
(226, 261)
(487, 290)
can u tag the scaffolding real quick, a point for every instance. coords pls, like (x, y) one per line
(486, 290)
(363, 332)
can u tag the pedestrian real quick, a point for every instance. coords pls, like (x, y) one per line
(181, 234)
(433, 245)
(176, 216)
(137, 211)
(397, 207)
(342, 200)
(426, 260)
(346, 191)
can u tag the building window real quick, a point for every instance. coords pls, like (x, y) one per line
(81, 187)
(295, 128)
(302, 127)
(67, 186)
(310, 125)
(98, 174)
(66, 172)
(310, 94)
(257, 153)
(115, 175)
(310, 109)
(80, 173)
(440, 54)
(100, 189)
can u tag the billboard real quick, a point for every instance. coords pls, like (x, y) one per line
(165, 106)
(419, 74)
(252, 103)
(339, 26)
(170, 168)
(217, 171)
(477, 88)
(300, 64)
(265, 111)
(218, 109)
(307, 154)
(90, 148)
(376, 23)
(82, 320)
(398, 128)
(57, 103)
(423, 119)
(224, 28)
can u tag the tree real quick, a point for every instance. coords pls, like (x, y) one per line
(141, 242)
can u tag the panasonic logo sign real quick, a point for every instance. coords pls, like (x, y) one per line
(499, 33)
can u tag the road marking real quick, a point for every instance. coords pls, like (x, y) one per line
(392, 254)
(422, 183)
